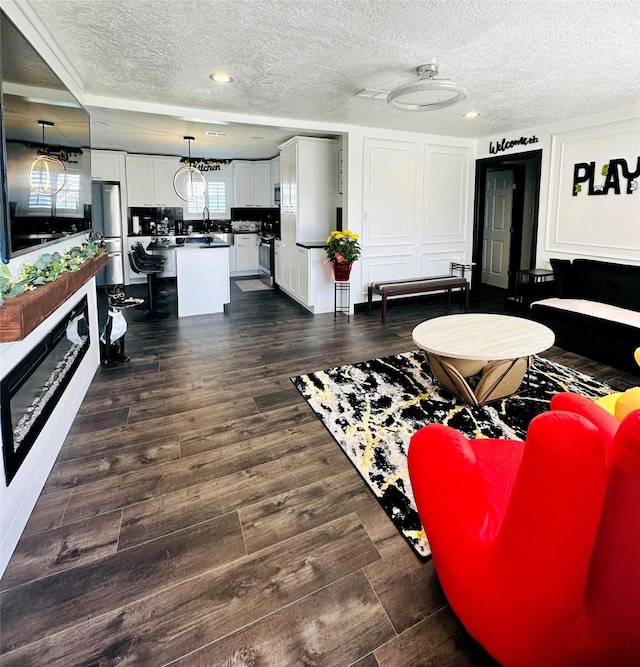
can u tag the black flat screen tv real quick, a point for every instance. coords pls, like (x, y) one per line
(39, 118)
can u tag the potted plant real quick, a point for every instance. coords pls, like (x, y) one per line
(342, 250)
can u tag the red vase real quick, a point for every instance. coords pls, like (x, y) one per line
(342, 271)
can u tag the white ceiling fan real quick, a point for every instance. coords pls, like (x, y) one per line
(425, 94)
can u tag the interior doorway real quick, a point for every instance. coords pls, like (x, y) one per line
(507, 196)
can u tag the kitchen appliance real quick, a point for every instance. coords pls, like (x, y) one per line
(266, 259)
(107, 221)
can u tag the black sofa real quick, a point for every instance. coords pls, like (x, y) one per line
(610, 336)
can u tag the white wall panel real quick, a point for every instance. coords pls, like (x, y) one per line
(389, 192)
(438, 263)
(601, 224)
(387, 267)
(445, 194)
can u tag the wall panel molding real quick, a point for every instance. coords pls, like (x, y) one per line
(445, 211)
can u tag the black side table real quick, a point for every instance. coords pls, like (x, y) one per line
(529, 276)
(342, 299)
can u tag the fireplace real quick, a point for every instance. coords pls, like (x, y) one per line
(30, 392)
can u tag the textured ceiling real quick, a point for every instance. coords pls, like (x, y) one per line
(524, 63)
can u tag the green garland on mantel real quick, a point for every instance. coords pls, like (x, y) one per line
(46, 269)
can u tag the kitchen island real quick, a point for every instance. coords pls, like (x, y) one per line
(202, 275)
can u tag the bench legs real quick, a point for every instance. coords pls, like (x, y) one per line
(370, 296)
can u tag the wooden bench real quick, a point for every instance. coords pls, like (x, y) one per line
(417, 286)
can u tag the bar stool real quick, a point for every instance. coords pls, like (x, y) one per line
(146, 259)
(153, 314)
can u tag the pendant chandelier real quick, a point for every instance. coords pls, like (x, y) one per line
(47, 174)
(188, 182)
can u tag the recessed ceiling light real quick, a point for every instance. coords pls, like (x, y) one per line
(472, 114)
(220, 77)
(100, 122)
(257, 138)
(213, 133)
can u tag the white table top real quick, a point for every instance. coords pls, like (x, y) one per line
(482, 336)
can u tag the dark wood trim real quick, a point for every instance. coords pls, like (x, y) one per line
(482, 166)
(20, 315)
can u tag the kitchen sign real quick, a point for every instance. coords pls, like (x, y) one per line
(504, 145)
(204, 165)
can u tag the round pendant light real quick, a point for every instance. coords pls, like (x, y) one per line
(427, 93)
(47, 174)
(188, 182)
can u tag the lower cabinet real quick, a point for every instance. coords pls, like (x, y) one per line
(246, 254)
(306, 276)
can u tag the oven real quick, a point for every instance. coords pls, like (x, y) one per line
(266, 259)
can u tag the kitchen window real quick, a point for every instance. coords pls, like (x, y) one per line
(215, 199)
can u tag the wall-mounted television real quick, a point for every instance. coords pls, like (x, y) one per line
(39, 118)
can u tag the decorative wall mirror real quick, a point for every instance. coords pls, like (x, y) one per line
(32, 94)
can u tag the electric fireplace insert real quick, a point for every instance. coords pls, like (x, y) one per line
(30, 392)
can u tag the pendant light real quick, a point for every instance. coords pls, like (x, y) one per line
(427, 93)
(188, 182)
(47, 174)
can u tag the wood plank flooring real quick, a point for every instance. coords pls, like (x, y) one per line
(200, 514)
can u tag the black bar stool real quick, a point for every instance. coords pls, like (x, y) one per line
(146, 259)
(153, 314)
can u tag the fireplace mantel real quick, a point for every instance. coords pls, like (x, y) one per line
(20, 315)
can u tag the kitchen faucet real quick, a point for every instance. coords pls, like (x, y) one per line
(205, 218)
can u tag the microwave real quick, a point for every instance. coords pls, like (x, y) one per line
(276, 194)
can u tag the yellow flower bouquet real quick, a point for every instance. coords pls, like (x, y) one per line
(343, 247)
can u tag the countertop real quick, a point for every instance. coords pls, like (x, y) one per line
(313, 244)
(196, 244)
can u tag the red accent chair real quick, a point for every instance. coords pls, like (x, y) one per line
(537, 544)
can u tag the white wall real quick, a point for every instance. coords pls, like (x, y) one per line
(604, 227)
(410, 197)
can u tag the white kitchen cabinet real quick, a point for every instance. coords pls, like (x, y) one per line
(246, 249)
(277, 249)
(252, 184)
(308, 182)
(107, 166)
(150, 181)
(274, 168)
(302, 269)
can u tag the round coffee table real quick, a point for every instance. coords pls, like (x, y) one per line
(470, 341)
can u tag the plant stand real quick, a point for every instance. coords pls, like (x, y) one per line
(342, 299)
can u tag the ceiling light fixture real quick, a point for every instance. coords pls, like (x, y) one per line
(472, 114)
(214, 133)
(220, 77)
(47, 174)
(189, 183)
(427, 93)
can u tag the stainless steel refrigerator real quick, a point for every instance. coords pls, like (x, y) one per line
(106, 214)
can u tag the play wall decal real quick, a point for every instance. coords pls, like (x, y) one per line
(612, 171)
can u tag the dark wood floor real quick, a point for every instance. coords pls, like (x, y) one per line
(199, 513)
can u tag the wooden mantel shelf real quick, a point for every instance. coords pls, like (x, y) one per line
(22, 314)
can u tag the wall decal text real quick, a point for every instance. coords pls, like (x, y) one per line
(503, 145)
(585, 172)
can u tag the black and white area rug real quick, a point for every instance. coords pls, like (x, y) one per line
(374, 407)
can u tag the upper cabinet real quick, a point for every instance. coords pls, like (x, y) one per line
(252, 183)
(275, 179)
(309, 185)
(107, 166)
(150, 180)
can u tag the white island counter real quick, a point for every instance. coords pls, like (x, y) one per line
(202, 275)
